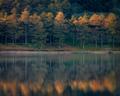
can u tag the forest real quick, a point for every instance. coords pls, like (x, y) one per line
(60, 23)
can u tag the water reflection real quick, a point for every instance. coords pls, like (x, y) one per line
(79, 74)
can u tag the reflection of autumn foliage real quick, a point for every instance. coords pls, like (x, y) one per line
(83, 85)
(10, 88)
(49, 88)
(35, 87)
(74, 84)
(59, 86)
(110, 83)
(24, 89)
(96, 85)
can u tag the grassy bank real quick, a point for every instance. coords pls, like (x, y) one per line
(66, 48)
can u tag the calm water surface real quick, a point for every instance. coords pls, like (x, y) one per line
(59, 74)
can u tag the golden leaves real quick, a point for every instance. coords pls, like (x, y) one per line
(24, 15)
(59, 17)
(95, 19)
(109, 20)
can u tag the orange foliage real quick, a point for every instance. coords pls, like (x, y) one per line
(109, 84)
(96, 19)
(8, 86)
(83, 85)
(83, 19)
(76, 22)
(59, 17)
(95, 85)
(49, 88)
(24, 89)
(12, 18)
(24, 15)
(35, 87)
(59, 86)
(74, 84)
(109, 20)
(12, 88)
(1, 15)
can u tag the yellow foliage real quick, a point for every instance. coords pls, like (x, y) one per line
(110, 20)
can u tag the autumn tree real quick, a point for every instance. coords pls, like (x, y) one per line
(96, 19)
(59, 28)
(34, 18)
(24, 18)
(59, 17)
(38, 35)
(47, 19)
(82, 20)
(110, 23)
(12, 23)
(110, 20)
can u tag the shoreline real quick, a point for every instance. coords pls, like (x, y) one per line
(32, 53)
(25, 50)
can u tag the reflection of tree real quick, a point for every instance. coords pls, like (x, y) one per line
(47, 69)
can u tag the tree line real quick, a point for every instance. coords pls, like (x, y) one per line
(56, 30)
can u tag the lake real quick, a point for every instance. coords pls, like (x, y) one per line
(59, 73)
